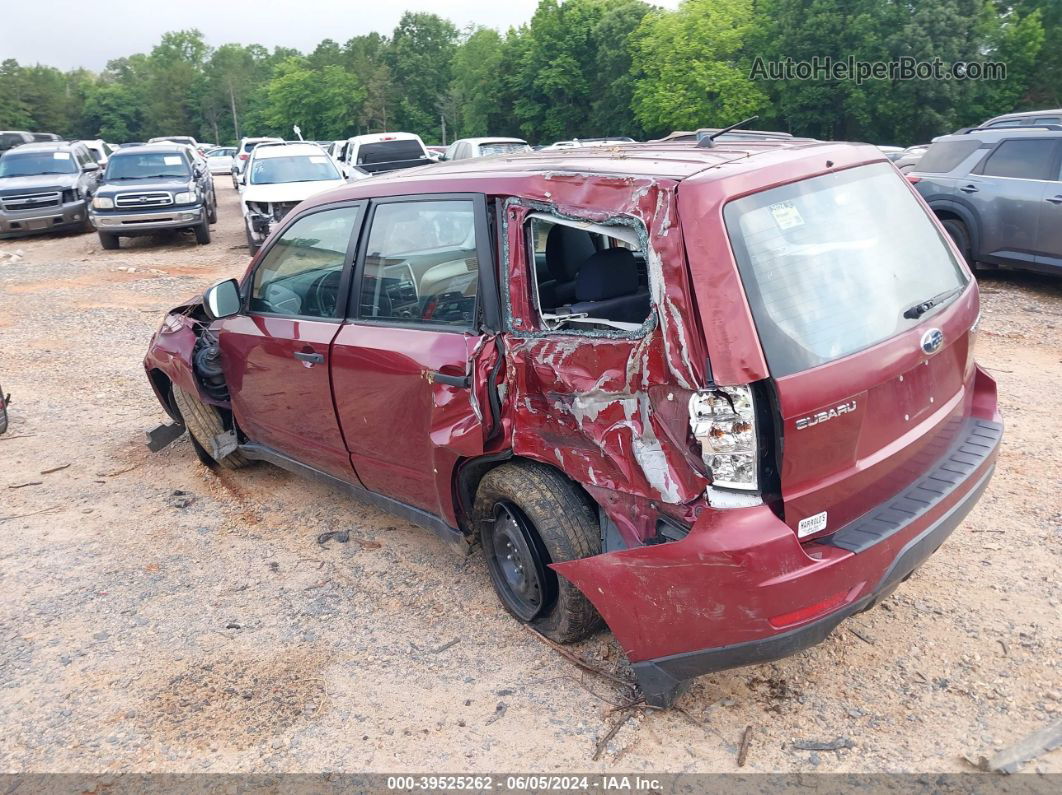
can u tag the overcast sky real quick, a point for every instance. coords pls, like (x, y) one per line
(72, 33)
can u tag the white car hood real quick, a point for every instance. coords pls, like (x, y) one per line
(287, 191)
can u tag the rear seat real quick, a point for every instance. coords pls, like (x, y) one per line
(607, 287)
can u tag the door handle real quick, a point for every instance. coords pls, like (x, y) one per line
(461, 381)
(969, 189)
(309, 357)
(1055, 200)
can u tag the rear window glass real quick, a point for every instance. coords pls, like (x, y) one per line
(943, 156)
(389, 152)
(1021, 159)
(830, 264)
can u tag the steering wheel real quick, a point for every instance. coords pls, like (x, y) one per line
(281, 300)
(326, 303)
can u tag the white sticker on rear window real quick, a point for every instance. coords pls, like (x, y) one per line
(813, 524)
(171, 160)
(786, 215)
(318, 159)
(61, 155)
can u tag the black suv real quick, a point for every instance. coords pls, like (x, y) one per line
(153, 188)
(46, 187)
(998, 192)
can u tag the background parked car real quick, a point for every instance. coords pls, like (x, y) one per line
(1035, 118)
(220, 159)
(43, 136)
(177, 139)
(243, 155)
(908, 161)
(278, 177)
(380, 152)
(101, 150)
(464, 148)
(576, 143)
(12, 138)
(998, 192)
(45, 187)
(153, 188)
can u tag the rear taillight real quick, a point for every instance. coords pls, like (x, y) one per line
(913, 179)
(723, 421)
(243, 156)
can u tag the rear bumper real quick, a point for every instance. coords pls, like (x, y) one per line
(50, 219)
(741, 589)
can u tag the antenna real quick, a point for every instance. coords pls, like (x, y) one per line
(709, 140)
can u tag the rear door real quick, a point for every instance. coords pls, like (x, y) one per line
(872, 384)
(1050, 244)
(277, 349)
(1006, 190)
(408, 369)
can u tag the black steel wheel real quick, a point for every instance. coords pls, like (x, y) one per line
(515, 562)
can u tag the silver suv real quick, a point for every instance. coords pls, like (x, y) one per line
(998, 192)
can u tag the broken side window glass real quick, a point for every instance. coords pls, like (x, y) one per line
(587, 275)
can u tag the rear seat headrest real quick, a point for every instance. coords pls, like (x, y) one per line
(606, 274)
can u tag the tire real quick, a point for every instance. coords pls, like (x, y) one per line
(536, 514)
(251, 245)
(202, 232)
(958, 232)
(109, 241)
(212, 215)
(203, 423)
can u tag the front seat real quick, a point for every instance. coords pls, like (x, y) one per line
(566, 249)
(607, 287)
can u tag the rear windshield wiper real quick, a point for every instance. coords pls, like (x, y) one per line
(916, 311)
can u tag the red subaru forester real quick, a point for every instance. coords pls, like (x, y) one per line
(718, 397)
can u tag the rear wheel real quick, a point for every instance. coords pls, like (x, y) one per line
(202, 232)
(108, 241)
(529, 516)
(204, 424)
(959, 233)
(212, 216)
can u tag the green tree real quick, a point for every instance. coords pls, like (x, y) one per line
(323, 103)
(691, 67)
(420, 54)
(477, 70)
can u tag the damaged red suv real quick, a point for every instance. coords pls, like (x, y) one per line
(716, 397)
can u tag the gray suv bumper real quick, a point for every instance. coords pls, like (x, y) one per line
(46, 219)
(147, 221)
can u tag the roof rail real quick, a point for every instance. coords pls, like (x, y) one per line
(1008, 127)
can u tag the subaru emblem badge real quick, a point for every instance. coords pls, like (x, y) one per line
(932, 340)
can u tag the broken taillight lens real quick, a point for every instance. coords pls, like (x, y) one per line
(723, 421)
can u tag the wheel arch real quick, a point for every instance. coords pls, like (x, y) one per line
(946, 210)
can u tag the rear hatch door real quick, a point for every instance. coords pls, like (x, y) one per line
(864, 313)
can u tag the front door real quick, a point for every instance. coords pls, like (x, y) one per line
(407, 369)
(277, 350)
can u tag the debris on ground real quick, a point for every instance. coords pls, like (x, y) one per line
(342, 536)
(837, 744)
(1010, 759)
(743, 751)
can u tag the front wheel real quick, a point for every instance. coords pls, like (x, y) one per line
(204, 424)
(108, 241)
(252, 246)
(529, 516)
(202, 232)
(212, 217)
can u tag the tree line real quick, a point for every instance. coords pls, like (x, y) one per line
(579, 68)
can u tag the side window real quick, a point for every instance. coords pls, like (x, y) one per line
(83, 158)
(451, 151)
(301, 272)
(588, 277)
(1021, 159)
(421, 263)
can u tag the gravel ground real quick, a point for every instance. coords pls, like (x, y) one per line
(158, 617)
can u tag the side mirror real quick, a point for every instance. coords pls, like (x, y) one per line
(222, 300)
(92, 167)
(197, 171)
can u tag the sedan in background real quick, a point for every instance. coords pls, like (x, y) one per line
(220, 159)
(464, 148)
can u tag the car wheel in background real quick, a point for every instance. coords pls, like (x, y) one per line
(202, 232)
(961, 236)
(212, 215)
(203, 424)
(108, 241)
(251, 245)
(529, 516)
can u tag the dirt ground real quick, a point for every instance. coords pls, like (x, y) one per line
(157, 617)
